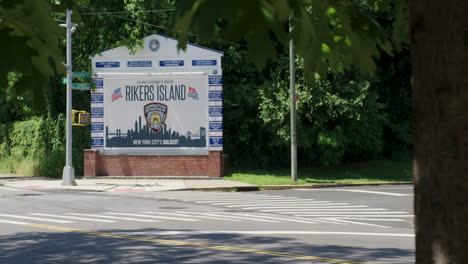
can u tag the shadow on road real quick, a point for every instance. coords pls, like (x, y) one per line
(60, 247)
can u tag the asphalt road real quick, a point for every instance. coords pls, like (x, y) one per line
(372, 224)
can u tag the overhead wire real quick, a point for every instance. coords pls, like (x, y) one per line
(141, 22)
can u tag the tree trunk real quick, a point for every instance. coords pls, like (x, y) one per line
(439, 36)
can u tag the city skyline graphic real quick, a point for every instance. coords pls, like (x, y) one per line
(143, 136)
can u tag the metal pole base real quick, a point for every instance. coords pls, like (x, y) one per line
(68, 177)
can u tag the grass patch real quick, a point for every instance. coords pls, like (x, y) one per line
(374, 171)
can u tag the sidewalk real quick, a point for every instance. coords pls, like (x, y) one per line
(155, 184)
(123, 184)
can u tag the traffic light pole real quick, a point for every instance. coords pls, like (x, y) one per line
(68, 176)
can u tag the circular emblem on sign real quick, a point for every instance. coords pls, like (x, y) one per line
(215, 71)
(154, 45)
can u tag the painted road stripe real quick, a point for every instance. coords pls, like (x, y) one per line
(313, 207)
(158, 217)
(253, 203)
(373, 192)
(357, 213)
(117, 217)
(375, 219)
(38, 218)
(293, 206)
(13, 222)
(75, 217)
(199, 245)
(242, 199)
(198, 216)
(237, 217)
(351, 215)
(355, 223)
(272, 203)
(10, 189)
(273, 232)
(308, 221)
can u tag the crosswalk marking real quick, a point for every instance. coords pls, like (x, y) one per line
(240, 217)
(300, 207)
(281, 218)
(37, 218)
(154, 216)
(199, 216)
(254, 199)
(340, 213)
(358, 223)
(75, 217)
(291, 209)
(279, 203)
(351, 215)
(373, 192)
(118, 217)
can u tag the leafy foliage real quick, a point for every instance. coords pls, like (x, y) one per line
(28, 45)
(39, 143)
(330, 35)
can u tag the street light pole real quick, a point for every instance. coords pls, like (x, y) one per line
(68, 176)
(292, 86)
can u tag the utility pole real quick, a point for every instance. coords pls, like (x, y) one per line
(292, 86)
(68, 176)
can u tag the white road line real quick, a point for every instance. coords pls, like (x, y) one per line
(117, 217)
(280, 203)
(392, 188)
(357, 223)
(373, 192)
(13, 222)
(198, 216)
(389, 213)
(237, 217)
(273, 232)
(293, 206)
(313, 207)
(271, 201)
(243, 199)
(350, 215)
(369, 210)
(10, 189)
(38, 218)
(308, 221)
(373, 219)
(75, 217)
(154, 216)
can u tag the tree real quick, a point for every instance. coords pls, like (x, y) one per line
(440, 88)
(440, 112)
(29, 45)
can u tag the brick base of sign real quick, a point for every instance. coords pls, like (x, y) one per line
(153, 165)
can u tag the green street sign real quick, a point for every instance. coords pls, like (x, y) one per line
(64, 80)
(85, 75)
(81, 86)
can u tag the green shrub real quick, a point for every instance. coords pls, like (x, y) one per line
(36, 147)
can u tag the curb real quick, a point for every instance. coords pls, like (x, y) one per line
(155, 177)
(287, 187)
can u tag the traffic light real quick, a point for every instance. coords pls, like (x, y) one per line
(80, 118)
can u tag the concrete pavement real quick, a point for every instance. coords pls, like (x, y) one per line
(154, 184)
(104, 184)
